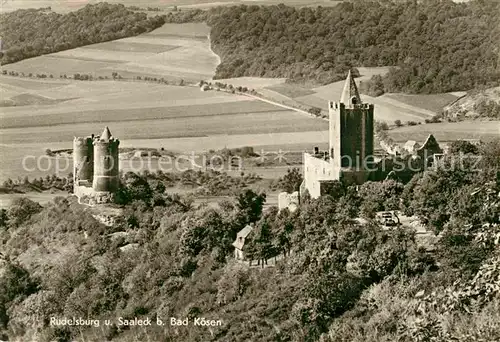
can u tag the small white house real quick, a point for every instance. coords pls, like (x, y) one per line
(239, 243)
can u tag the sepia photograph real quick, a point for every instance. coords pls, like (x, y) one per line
(250, 170)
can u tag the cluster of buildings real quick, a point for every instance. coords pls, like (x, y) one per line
(350, 158)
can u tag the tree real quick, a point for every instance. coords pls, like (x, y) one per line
(380, 196)
(374, 87)
(282, 231)
(332, 295)
(462, 146)
(250, 206)
(398, 123)
(15, 283)
(381, 126)
(233, 284)
(291, 181)
(315, 111)
(258, 38)
(4, 219)
(259, 246)
(134, 187)
(21, 209)
(434, 190)
(91, 24)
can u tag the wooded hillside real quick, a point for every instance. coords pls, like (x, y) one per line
(32, 32)
(438, 46)
(339, 281)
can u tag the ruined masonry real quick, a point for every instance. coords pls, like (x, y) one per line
(96, 168)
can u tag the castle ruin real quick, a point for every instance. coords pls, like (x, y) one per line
(96, 168)
(350, 154)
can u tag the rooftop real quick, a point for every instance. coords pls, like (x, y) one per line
(106, 134)
(240, 237)
(350, 94)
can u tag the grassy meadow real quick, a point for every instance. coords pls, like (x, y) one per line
(448, 131)
(173, 52)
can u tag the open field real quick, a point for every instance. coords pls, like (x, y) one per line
(131, 47)
(256, 83)
(180, 119)
(141, 114)
(448, 131)
(432, 102)
(291, 91)
(42, 197)
(388, 107)
(172, 52)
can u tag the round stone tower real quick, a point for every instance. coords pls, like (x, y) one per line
(83, 160)
(106, 171)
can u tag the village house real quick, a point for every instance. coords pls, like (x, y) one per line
(239, 243)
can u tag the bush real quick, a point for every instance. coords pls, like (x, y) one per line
(315, 111)
(381, 126)
(21, 210)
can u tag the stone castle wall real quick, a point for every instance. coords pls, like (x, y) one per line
(96, 168)
(106, 162)
(89, 196)
(83, 159)
(316, 170)
(289, 201)
(351, 134)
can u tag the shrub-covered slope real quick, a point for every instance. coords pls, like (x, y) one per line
(335, 279)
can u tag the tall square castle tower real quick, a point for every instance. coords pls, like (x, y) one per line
(351, 134)
(350, 154)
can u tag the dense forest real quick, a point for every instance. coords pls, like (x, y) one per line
(32, 32)
(435, 46)
(337, 280)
